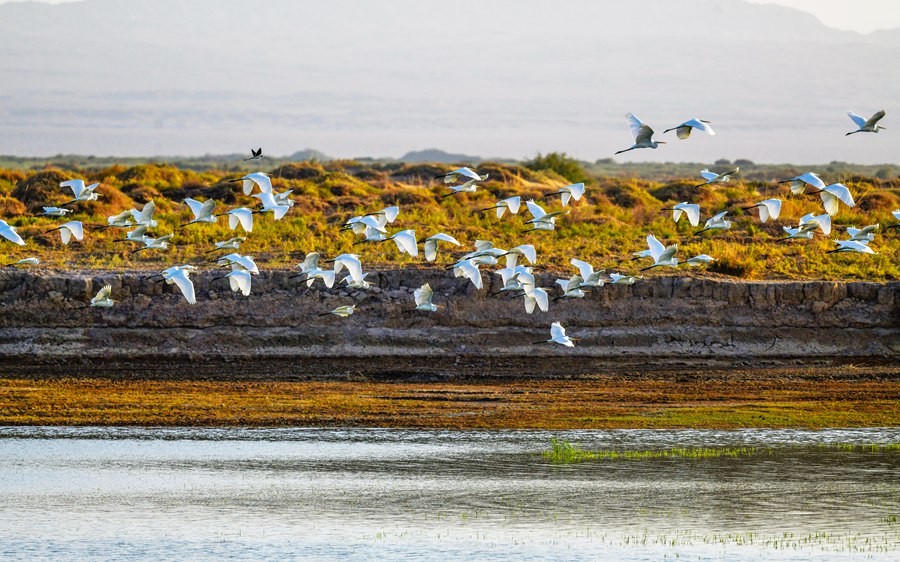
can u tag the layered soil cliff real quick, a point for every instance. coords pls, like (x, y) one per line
(660, 323)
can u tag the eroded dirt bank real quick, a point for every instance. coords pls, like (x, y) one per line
(658, 323)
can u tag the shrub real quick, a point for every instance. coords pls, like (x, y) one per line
(558, 162)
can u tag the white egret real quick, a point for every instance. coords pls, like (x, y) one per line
(240, 262)
(145, 215)
(260, 179)
(103, 298)
(643, 134)
(55, 212)
(423, 296)
(717, 222)
(770, 208)
(310, 268)
(81, 191)
(255, 155)
(9, 232)
(139, 234)
(121, 220)
(869, 125)
(160, 243)
(571, 288)
(463, 172)
(525, 250)
(515, 278)
(239, 280)
(179, 276)
(354, 284)
(385, 216)
(406, 242)
(484, 248)
(712, 177)
(511, 204)
(203, 212)
(690, 210)
(663, 256)
(431, 244)
(241, 216)
(542, 220)
(558, 335)
(573, 191)
(342, 311)
(856, 246)
(353, 265)
(284, 198)
(24, 261)
(469, 270)
(833, 195)
(865, 234)
(799, 183)
(685, 129)
(230, 244)
(535, 297)
(702, 259)
(271, 206)
(470, 186)
(813, 222)
(591, 277)
(618, 279)
(69, 230)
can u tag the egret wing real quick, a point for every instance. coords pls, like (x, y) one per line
(656, 247)
(860, 121)
(423, 295)
(875, 119)
(185, 285)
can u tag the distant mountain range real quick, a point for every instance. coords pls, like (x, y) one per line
(498, 77)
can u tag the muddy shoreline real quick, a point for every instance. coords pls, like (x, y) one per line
(658, 325)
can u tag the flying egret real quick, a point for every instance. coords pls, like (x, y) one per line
(406, 242)
(869, 125)
(160, 243)
(239, 261)
(230, 244)
(822, 222)
(510, 204)
(284, 198)
(717, 222)
(865, 234)
(770, 208)
(342, 311)
(463, 172)
(643, 134)
(702, 259)
(203, 212)
(431, 244)
(542, 220)
(558, 335)
(385, 216)
(833, 195)
(81, 191)
(663, 256)
(470, 186)
(9, 232)
(24, 261)
(690, 210)
(799, 183)
(572, 288)
(145, 215)
(856, 246)
(55, 212)
(255, 155)
(102, 299)
(353, 265)
(618, 279)
(685, 129)
(139, 234)
(896, 215)
(573, 191)
(469, 270)
(356, 284)
(535, 297)
(241, 216)
(179, 276)
(525, 250)
(121, 220)
(591, 277)
(239, 280)
(712, 177)
(70, 229)
(260, 179)
(271, 206)
(310, 268)
(423, 296)
(484, 248)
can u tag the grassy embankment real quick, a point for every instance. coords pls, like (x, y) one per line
(808, 399)
(610, 223)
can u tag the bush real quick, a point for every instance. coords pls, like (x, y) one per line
(558, 162)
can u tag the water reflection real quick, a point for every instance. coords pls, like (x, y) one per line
(82, 493)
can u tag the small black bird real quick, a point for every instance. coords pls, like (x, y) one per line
(257, 155)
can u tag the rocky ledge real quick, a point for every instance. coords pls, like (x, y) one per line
(658, 323)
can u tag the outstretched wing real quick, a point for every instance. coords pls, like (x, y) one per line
(536, 210)
(423, 294)
(708, 176)
(186, 286)
(700, 125)
(557, 331)
(103, 294)
(875, 119)
(656, 247)
(636, 125)
(860, 121)
(584, 268)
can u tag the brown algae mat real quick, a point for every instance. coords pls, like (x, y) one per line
(604, 402)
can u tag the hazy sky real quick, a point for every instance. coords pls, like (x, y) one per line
(855, 15)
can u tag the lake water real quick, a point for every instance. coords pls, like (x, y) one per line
(186, 494)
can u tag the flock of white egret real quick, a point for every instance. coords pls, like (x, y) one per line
(519, 263)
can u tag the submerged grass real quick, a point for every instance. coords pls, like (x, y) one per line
(563, 452)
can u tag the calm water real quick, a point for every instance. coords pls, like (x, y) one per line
(163, 494)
